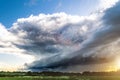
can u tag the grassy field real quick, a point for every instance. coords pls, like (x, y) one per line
(62, 78)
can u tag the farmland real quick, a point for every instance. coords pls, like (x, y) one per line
(59, 76)
(62, 78)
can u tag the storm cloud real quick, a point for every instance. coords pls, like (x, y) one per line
(100, 47)
(51, 34)
(59, 41)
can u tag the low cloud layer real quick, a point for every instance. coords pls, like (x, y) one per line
(59, 41)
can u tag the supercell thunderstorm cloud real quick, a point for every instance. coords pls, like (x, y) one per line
(60, 41)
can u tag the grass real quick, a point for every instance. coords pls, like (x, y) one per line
(35, 78)
(62, 78)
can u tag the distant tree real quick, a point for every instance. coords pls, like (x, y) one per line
(29, 73)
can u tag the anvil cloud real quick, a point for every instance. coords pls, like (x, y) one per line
(58, 41)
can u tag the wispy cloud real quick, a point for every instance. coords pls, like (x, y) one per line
(31, 3)
(58, 6)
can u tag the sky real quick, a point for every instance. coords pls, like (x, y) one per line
(18, 9)
(59, 35)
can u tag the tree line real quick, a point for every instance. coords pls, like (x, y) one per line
(50, 73)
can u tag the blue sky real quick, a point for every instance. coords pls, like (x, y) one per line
(11, 59)
(10, 11)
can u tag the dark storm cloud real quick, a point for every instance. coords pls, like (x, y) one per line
(65, 63)
(110, 29)
(112, 15)
(94, 49)
(52, 39)
(50, 33)
(58, 41)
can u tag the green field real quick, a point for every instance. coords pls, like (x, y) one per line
(62, 78)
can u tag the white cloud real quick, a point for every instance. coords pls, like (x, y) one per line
(104, 4)
(56, 29)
